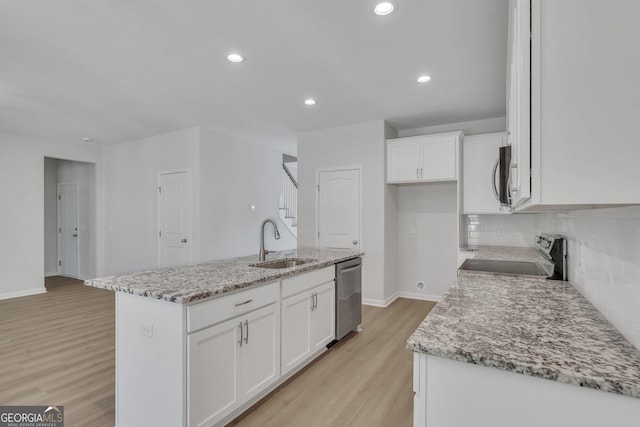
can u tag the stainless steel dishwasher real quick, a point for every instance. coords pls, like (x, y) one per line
(348, 296)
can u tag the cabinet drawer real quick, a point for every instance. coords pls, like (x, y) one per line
(200, 315)
(296, 284)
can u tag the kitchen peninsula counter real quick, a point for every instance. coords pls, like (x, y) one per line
(191, 283)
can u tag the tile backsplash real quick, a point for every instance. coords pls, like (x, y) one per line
(603, 254)
(500, 230)
(604, 261)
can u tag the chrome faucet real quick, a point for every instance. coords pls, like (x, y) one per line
(263, 252)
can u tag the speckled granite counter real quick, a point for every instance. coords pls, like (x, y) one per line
(196, 282)
(534, 327)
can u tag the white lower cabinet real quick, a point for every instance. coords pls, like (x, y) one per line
(308, 324)
(231, 362)
(202, 364)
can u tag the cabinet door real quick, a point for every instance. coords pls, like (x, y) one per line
(296, 327)
(212, 373)
(260, 364)
(438, 158)
(480, 154)
(403, 163)
(323, 317)
(518, 99)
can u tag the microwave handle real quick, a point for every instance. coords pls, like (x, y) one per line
(493, 179)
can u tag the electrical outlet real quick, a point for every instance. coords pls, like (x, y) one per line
(146, 329)
(420, 285)
(412, 229)
(498, 232)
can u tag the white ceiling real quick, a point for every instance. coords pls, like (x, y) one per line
(121, 70)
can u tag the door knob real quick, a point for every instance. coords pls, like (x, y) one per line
(355, 242)
(184, 240)
(75, 235)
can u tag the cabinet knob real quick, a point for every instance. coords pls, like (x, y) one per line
(184, 240)
(355, 242)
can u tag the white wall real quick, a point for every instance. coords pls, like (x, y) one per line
(604, 261)
(227, 175)
(130, 179)
(235, 174)
(359, 144)
(50, 217)
(429, 255)
(22, 169)
(474, 127)
(84, 174)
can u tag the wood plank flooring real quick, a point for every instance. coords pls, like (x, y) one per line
(365, 380)
(59, 348)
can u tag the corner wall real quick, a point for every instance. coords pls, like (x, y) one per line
(235, 174)
(130, 180)
(361, 144)
(22, 165)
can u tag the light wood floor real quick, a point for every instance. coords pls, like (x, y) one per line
(365, 380)
(59, 348)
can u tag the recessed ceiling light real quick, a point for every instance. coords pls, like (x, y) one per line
(424, 79)
(235, 57)
(384, 8)
(310, 101)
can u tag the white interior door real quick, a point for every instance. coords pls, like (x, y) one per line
(68, 229)
(174, 213)
(339, 209)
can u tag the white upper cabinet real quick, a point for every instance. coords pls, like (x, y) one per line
(518, 100)
(479, 180)
(584, 103)
(423, 158)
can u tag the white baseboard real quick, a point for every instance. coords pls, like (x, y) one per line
(51, 273)
(418, 296)
(24, 293)
(380, 303)
(400, 294)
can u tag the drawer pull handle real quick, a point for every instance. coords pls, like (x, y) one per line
(243, 303)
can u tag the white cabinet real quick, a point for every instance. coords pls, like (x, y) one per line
(308, 316)
(213, 373)
(479, 181)
(423, 158)
(202, 364)
(231, 362)
(518, 100)
(584, 104)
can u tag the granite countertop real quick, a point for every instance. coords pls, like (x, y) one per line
(530, 326)
(197, 282)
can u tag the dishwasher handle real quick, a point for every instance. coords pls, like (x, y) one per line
(350, 269)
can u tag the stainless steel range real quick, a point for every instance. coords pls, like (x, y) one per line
(553, 249)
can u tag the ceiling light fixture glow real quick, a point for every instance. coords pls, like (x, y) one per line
(384, 8)
(424, 79)
(234, 57)
(310, 101)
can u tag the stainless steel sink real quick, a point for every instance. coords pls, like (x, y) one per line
(282, 263)
(514, 268)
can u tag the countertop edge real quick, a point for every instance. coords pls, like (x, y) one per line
(602, 384)
(267, 276)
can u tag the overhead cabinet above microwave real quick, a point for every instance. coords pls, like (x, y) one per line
(573, 104)
(425, 158)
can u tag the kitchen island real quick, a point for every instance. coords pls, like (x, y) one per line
(515, 351)
(197, 345)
